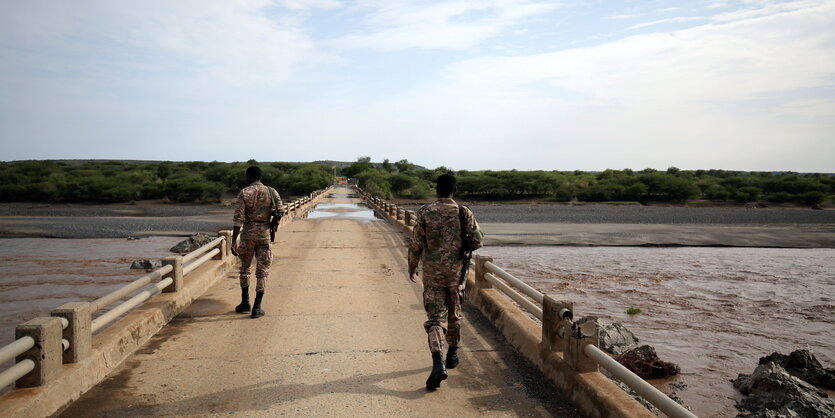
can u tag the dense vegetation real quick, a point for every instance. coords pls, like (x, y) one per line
(114, 181)
(673, 185)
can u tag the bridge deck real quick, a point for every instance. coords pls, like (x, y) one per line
(343, 335)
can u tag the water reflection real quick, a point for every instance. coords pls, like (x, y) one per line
(353, 211)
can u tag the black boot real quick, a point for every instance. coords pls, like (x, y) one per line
(452, 358)
(244, 306)
(257, 312)
(438, 373)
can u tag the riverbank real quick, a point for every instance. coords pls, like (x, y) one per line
(659, 235)
(587, 225)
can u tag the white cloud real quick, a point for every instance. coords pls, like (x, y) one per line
(227, 42)
(669, 20)
(447, 25)
(312, 4)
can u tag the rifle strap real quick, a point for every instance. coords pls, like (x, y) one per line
(272, 198)
(463, 222)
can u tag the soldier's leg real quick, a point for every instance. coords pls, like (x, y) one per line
(434, 301)
(263, 259)
(245, 252)
(453, 335)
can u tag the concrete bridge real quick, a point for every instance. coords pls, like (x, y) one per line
(343, 335)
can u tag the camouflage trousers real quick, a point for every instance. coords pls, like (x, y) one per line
(263, 257)
(443, 309)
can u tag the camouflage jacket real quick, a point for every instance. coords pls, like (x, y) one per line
(252, 211)
(436, 239)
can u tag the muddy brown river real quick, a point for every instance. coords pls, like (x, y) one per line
(713, 311)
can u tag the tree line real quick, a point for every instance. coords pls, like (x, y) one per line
(116, 181)
(401, 179)
(196, 181)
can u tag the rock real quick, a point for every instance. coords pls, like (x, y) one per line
(614, 338)
(645, 363)
(817, 206)
(772, 392)
(132, 238)
(673, 395)
(146, 265)
(803, 365)
(192, 243)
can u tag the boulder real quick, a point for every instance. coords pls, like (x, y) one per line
(772, 392)
(645, 363)
(614, 338)
(817, 206)
(146, 264)
(803, 365)
(192, 243)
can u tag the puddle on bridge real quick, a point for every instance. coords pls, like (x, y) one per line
(354, 211)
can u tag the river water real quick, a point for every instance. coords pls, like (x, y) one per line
(713, 311)
(40, 274)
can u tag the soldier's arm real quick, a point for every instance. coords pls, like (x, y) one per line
(474, 230)
(237, 221)
(416, 246)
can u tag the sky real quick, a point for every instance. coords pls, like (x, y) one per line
(467, 84)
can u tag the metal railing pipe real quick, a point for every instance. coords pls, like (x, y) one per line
(123, 291)
(199, 262)
(16, 348)
(196, 253)
(22, 368)
(525, 302)
(65, 344)
(524, 287)
(131, 303)
(640, 386)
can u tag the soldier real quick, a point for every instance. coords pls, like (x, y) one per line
(437, 240)
(252, 221)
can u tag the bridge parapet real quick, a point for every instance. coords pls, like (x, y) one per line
(61, 356)
(567, 353)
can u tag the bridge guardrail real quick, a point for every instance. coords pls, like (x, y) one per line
(44, 344)
(578, 345)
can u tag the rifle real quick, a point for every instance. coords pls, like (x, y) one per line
(466, 251)
(275, 216)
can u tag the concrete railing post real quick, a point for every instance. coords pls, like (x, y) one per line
(176, 273)
(79, 332)
(400, 214)
(578, 338)
(227, 244)
(480, 269)
(47, 352)
(555, 326)
(221, 255)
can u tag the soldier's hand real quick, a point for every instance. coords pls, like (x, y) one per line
(413, 277)
(235, 250)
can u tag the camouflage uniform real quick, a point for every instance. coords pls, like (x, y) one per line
(252, 214)
(436, 239)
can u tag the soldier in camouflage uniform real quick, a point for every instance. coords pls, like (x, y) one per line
(252, 223)
(436, 240)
